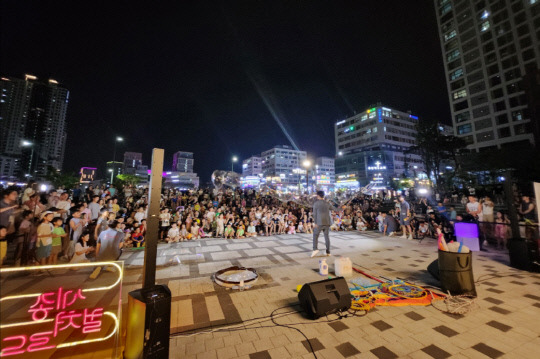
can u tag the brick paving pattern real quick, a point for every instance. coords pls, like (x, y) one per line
(504, 325)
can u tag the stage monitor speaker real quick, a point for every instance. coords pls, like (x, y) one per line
(148, 323)
(324, 297)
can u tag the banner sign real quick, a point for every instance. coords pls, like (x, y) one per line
(58, 311)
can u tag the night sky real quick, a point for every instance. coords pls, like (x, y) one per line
(210, 77)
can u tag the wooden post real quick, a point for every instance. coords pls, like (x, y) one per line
(152, 219)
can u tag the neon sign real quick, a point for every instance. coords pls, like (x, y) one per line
(376, 167)
(58, 317)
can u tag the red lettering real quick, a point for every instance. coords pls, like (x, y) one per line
(39, 340)
(92, 321)
(40, 309)
(67, 319)
(66, 303)
(16, 349)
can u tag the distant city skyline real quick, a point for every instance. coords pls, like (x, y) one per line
(224, 80)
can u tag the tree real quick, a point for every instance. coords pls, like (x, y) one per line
(130, 180)
(435, 147)
(59, 179)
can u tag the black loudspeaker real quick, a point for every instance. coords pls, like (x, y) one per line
(325, 296)
(523, 254)
(149, 322)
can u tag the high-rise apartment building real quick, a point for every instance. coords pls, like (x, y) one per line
(370, 146)
(488, 47)
(33, 118)
(252, 166)
(183, 162)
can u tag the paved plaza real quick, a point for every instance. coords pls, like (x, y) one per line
(505, 324)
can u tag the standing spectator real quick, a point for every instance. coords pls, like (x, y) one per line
(94, 208)
(501, 229)
(34, 205)
(109, 243)
(8, 209)
(30, 190)
(527, 209)
(52, 200)
(44, 238)
(76, 225)
(473, 208)
(64, 205)
(405, 218)
(58, 235)
(487, 217)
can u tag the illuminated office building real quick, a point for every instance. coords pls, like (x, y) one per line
(370, 147)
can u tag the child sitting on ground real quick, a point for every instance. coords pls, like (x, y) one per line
(195, 230)
(240, 231)
(137, 237)
(251, 231)
(229, 230)
(184, 233)
(291, 228)
(300, 227)
(173, 235)
(423, 230)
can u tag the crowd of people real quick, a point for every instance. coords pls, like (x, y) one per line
(97, 223)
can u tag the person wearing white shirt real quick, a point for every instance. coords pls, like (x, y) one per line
(64, 205)
(173, 235)
(140, 215)
(82, 248)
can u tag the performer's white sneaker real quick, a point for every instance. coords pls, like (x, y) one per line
(403, 236)
(391, 234)
(410, 238)
(314, 253)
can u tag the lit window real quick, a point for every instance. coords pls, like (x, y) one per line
(456, 74)
(485, 15)
(372, 115)
(450, 35)
(485, 26)
(452, 55)
(459, 94)
(464, 129)
(363, 118)
(446, 8)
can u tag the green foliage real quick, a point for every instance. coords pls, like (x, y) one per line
(131, 180)
(59, 179)
(434, 147)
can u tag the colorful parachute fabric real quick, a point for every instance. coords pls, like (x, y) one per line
(396, 293)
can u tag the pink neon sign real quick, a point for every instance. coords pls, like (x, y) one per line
(54, 308)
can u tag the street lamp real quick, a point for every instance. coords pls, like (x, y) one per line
(233, 160)
(26, 143)
(307, 165)
(117, 139)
